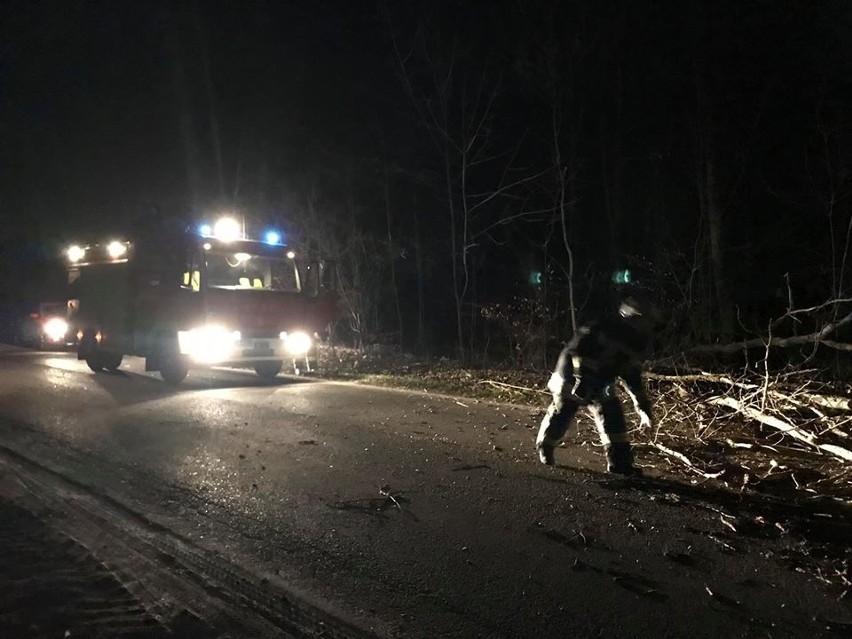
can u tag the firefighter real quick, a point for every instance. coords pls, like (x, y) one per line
(586, 375)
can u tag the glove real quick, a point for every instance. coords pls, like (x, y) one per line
(554, 385)
(587, 388)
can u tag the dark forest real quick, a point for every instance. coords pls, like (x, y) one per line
(477, 171)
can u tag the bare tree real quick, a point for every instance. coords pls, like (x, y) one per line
(392, 249)
(455, 95)
(830, 179)
(360, 256)
(553, 65)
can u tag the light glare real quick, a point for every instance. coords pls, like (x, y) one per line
(55, 329)
(227, 229)
(208, 344)
(76, 253)
(116, 249)
(297, 343)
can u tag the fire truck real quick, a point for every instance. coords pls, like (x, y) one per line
(186, 297)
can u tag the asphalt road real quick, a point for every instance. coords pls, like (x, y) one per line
(396, 513)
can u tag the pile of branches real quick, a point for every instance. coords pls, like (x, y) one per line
(768, 431)
(774, 434)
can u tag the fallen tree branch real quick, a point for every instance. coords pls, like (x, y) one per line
(818, 307)
(781, 425)
(685, 460)
(839, 346)
(689, 377)
(835, 402)
(759, 342)
(505, 385)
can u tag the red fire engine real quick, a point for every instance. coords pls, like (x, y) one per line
(184, 298)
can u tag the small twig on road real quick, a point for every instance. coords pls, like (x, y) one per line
(513, 386)
(722, 598)
(727, 523)
(385, 491)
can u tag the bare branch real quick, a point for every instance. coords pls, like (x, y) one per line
(781, 425)
(685, 460)
(502, 189)
(815, 337)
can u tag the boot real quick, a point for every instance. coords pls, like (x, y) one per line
(619, 459)
(545, 453)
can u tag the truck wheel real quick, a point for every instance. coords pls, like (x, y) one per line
(88, 350)
(100, 360)
(95, 363)
(173, 366)
(268, 370)
(174, 371)
(111, 361)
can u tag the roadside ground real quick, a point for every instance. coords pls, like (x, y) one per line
(55, 586)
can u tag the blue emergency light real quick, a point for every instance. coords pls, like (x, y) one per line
(272, 237)
(205, 230)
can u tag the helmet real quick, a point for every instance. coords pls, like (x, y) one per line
(641, 307)
(631, 306)
(637, 297)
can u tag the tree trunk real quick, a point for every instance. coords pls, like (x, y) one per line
(714, 217)
(392, 255)
(454, 256)
(567, 192)
(421, 277)
(611, 158)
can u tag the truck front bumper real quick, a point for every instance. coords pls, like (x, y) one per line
(214, 346)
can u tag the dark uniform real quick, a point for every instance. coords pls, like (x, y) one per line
(586, 375)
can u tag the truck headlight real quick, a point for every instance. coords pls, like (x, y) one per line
(55, 329)
(297, 343)
(208, 344)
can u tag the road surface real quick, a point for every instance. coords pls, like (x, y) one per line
(316, 508)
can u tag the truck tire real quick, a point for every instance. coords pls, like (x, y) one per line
(87, 350)
(268, 370)
(173, 366)
(174, 372)
(93, 361)
(100, 360)
(111, 361)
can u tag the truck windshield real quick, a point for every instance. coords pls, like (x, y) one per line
(257, 272)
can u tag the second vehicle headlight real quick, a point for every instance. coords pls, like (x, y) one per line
(297, 343)
(55, 329)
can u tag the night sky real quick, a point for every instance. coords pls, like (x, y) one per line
(111, 105)
(342, 120)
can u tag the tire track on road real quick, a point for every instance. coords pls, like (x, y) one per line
(160, 578)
